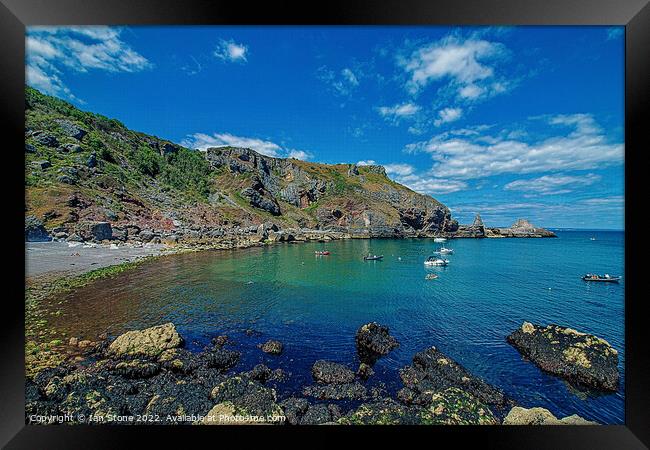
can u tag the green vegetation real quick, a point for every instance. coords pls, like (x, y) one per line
(187, 170)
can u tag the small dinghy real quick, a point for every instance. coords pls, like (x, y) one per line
(434, 261)
(446, 251)
(607, 278)
(439, 240)
(431, 276)
(373, 257)
(322, 253)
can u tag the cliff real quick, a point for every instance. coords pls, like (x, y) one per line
(88, 177)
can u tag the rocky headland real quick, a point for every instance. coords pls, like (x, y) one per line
(89, 178)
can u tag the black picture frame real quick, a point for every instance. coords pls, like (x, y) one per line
(15, 15)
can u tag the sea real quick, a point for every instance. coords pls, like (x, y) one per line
(315, 304)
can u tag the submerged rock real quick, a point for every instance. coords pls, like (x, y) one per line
(541, 416)
(578, 357)
(150, 342)
(330, 372)
(373, 341)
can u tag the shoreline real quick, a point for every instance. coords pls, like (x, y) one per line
(61, 279)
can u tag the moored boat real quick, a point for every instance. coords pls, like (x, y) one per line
(431, 276)
(434, 261)
(373, 257)
(439, 240)
(321, 253)
(607, 278)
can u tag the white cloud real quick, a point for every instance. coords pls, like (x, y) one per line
(299, 154)
(399, 169)
(397, 112)
(448, 115)
(425, 184)
(472, 154)
(342, 83)
(50, 50)
(350, 77)
(471, 91)
(465, 64)
(553, 184)
(602, 211)
(202, 141)
(231, 51)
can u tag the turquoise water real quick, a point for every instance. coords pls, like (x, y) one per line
(315, 304)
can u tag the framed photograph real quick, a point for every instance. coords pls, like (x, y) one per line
(409, 216)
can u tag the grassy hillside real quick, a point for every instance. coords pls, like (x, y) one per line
(83, 167)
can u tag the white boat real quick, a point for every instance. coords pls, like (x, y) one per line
(433, 261)
(439, 240)
(446, 251)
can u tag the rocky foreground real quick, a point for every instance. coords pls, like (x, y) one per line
(581, 358)
(146, 376)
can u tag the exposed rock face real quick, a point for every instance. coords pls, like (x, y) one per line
(343, 202)
(578, 357)
(541, 416)
(150, 342)
(70, 129)
(374, 341)
(35, 231)
(101, 231)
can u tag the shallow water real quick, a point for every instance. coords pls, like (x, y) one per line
(315, 304)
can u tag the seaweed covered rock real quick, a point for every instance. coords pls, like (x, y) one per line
(580, 358)
(136, 369)
(221, 358)
(383, 412)
(249, 397)
(541, 416)
(330, 372)
(432, 372)
(150, 342)
(454, 406)
(451, 406)
(272, 347)
(179, 360)
(294, 408)
(373, 341)
(336, 391)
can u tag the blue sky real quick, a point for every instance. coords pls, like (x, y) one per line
(509, 121)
